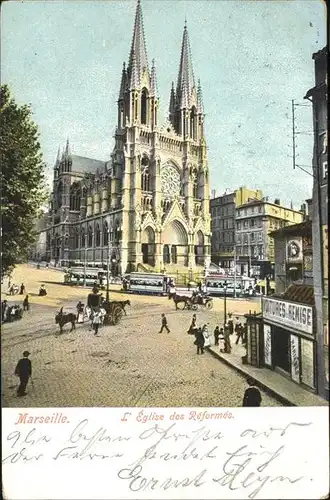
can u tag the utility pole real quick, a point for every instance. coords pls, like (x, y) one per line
(293, 136)
(235, 269)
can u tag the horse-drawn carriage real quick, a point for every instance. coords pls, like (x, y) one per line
(193, 302)
(114, 311)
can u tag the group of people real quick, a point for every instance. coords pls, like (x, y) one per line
(10, 313)
(222, 336)
(202, 338)
(42, 291)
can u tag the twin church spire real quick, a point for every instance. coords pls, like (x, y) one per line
(138, 95)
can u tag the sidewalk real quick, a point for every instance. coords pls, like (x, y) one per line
(286, 391)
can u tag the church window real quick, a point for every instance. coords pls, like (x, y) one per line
(145, 176)
(144, 107)
(193, 123)
(105, 234)
(75, 196)
(76, 238)
(83, 239)
(195, 188)
(98, 236)
(90, 237)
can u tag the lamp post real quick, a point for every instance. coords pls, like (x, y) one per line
(108, 267)
(225, 301)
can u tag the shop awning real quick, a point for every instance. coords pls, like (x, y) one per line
(304, 294)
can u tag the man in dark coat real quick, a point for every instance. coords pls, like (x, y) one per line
(200, 341)
(164, 324)
(252, 395)
(24, 371)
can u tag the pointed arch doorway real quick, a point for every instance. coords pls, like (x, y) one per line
(175, 244)
(148, 246)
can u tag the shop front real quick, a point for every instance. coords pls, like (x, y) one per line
(289, 339)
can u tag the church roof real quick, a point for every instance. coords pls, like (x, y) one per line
(84, 165)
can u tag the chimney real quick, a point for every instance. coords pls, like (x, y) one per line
(213, 193)
(277, 201)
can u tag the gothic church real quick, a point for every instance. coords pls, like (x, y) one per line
(147, 208)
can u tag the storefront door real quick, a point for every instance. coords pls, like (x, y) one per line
(281, 348)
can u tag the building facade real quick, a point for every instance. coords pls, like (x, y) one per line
(293, 255)
(223, 224)
(255, 220)
(319, 97)
(289, 331)
(148, 206)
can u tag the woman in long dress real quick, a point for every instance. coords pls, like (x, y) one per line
(206, 336)
(80, 312)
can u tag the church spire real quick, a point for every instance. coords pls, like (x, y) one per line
(138, 47)
(200, 104)
(153, 80)
(134, 78)
(186, 75)
(67, 149)
(123, 83)
(58, 158)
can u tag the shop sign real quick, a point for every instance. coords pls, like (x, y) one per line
(307, 362)
(288, 314)
(268, 345)
(295, 369)
(294, 250)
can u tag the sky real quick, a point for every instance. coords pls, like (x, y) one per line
(252, 57)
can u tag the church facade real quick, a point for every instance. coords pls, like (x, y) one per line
(147, 208)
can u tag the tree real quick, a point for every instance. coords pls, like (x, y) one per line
(22, 180)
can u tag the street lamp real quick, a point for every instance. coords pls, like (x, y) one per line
(225, 301)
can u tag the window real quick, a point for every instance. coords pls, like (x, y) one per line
(246, 224)
(144, 106)
(90, 237)
(145, 176)
(83, 238)
(105, 234)
(252, 223)
(76, 238)
(245, 211)
(75, 196)
(324, 170)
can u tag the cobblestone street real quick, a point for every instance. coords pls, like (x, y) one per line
(129, 364)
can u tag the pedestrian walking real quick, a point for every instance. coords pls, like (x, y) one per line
(4, 307)
(199, 341)
(230, 324)
(244, 338)
(226, 335)
(239, 334)
(24, 371)
(22, 289)
(164, 324)
(252, 395)
(192, 327)
(216, 334)
(96, 321)
(222, 340)
(26, 304)
(205, 331)
(80, 312)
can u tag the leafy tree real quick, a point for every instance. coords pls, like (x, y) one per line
(22, 180)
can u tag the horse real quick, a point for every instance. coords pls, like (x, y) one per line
(62, 319)
(122, 304)
(180, 298)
